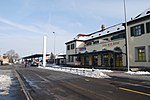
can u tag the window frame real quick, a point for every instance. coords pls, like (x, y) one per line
(89, 43)
(72, 46)
(68, 47)
(118, 36)
(96, 42)
(140, 54)
(137, 30)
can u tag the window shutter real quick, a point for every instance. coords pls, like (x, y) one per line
(132, 31)
(142, 29)
(148, 27)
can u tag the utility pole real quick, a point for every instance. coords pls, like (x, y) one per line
(44, 51)
(127, 37)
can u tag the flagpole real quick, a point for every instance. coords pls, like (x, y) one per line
(127, 37)
(44, 51)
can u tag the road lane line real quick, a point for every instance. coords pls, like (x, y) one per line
(138, 92)
(24, 88)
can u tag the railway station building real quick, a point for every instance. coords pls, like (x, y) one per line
(107, 46)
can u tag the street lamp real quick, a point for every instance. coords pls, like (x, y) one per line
(127, 37)
(54, 47)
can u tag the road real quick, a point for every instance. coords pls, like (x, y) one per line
(42, 84)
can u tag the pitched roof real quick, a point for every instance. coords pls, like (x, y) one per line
(106, 31)
(143, 14)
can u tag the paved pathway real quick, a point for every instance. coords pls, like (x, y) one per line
(122, 74)
(9, 86)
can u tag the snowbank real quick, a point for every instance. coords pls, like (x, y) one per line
(138, 72)
(95, 73)
(5, 82)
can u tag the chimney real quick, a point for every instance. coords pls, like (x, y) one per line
(102, 27)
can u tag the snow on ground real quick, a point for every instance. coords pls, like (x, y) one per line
(5, 82)
(138, 72)
(95, 73)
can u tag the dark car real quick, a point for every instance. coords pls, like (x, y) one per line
(34, 64)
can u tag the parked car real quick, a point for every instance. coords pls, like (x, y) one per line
(34, 63)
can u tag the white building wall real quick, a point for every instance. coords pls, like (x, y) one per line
(78, 44)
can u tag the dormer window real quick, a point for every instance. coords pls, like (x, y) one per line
(148, 12)
(118, 28)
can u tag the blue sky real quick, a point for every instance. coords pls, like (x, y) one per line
(24, 22)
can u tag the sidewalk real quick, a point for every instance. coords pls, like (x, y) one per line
(122, 74)
(9, 86)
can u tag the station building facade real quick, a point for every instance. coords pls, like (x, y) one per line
(107, 47)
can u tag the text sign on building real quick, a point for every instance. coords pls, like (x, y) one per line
(82, 49)
(110, 44)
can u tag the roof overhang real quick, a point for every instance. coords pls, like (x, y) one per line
(34, 56)
(96, 52)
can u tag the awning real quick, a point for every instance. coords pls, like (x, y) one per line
(34, 56)
(96, 53)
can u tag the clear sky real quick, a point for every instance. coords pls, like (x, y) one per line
(24, 22)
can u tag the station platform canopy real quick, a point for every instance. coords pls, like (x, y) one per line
(34, 56)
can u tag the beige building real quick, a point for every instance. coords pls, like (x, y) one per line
(107, 47)
(139, 39)
(4, 60)
(101, 48)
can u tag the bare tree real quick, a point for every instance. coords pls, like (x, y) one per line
(12, 55)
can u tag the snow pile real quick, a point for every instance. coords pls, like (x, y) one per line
(138, 72)
(5, 82)
(52, 65)
(95, 73)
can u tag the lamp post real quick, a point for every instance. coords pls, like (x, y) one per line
(54, 47)
(127, 37)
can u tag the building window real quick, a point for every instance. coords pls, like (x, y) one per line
(86, 60)
(137, 30)
(89, 43)
(68, 47)
(70, 59)
(118, 36)
(148, 27)
(96, 42)
(95, 60)
(140, 54)
(106, 39)
(72, 46)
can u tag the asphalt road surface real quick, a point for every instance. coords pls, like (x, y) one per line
(42, 84)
